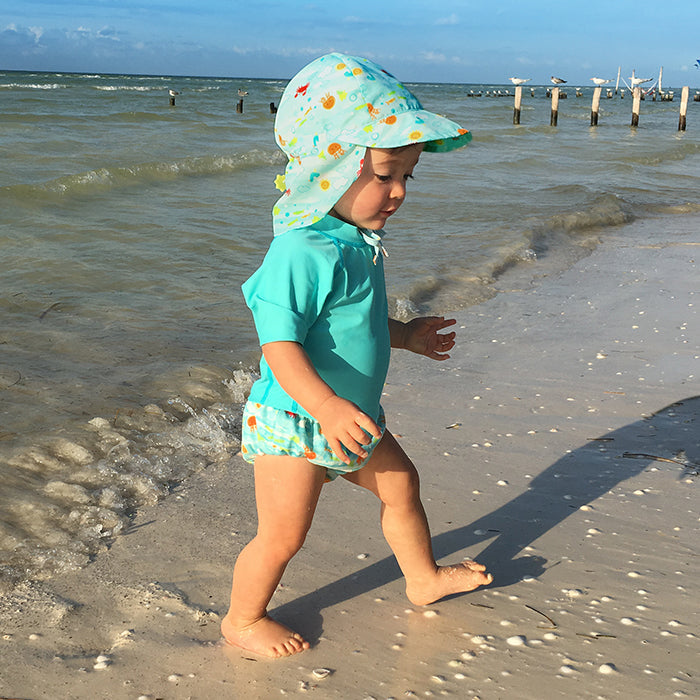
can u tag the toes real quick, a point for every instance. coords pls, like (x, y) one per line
(293, 645)
(473, 565)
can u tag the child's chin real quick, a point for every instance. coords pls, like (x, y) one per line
(376, 223)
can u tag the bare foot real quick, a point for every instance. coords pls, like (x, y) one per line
(458, 578)
(265, 637)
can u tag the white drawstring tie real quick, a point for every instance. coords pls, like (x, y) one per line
(375, 240)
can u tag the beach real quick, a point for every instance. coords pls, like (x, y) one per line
(128, 226)
(559, 446)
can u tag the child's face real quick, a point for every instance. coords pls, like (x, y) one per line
(381, 187)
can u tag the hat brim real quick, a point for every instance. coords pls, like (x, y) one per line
(438, 133)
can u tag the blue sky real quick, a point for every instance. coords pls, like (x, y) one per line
(456, 41)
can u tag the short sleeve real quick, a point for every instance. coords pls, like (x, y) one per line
(287, 292)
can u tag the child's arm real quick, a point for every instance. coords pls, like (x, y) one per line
(420, 335)
(342, 422)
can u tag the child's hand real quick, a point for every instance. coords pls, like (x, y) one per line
(421, 336)
(344, 425)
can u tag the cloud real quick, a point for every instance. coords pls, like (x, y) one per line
(108, 33)
(445, 21)
(88, 34)
(433, 57)
(14, 38)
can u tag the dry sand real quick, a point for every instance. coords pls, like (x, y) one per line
(531, 445)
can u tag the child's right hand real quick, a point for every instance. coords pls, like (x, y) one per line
(344, 425)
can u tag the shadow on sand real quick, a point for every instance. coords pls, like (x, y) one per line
(576, 479)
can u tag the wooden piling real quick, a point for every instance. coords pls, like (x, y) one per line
(684, 108)
(172, 101)
(637, 98)
(239, 107)
(273, 109)
(518, 101)
(595, 106)
(555, 107)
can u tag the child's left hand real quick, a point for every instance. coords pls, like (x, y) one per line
(420, 335)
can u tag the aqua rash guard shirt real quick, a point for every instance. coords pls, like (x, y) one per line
(323, 287)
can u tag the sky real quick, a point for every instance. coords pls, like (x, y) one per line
(461, 41)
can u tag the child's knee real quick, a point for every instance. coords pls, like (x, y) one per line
(281, 546)
(404, 488)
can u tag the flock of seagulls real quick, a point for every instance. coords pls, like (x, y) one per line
(555, 81)
(241, 92)
(598, 81)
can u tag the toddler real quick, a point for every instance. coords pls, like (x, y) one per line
(353, 135)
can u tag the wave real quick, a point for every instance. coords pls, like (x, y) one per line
(679, 152)
(32, 86)
(105, 179)
(67, 498)
(557, 241)
(577, 229)
(132, 88)
(161, 88)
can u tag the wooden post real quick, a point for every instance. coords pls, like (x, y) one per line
(555, 107)
(637, 94)
(595, 106)
(239, 107)
(172, 101)
(273, 109)
(684, 108)
(518, 102)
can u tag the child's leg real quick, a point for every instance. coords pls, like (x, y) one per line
(390, 475)
(286, 493)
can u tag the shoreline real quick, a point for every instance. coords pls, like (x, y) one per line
(520, 440)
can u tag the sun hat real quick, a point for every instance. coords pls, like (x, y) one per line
(330, 112)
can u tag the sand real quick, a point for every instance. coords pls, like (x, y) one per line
(537, 445)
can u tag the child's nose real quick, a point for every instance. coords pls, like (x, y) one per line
(398, 191)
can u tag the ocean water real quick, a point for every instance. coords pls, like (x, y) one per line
(128, 225)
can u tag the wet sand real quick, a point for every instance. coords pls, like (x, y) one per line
(559, 446)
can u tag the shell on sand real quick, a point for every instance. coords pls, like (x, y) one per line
(321, 672)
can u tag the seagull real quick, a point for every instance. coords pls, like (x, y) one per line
(600, 81)
(519, 81)
(557, 81)
(639, 81)
(242, 92)
(172, 93)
